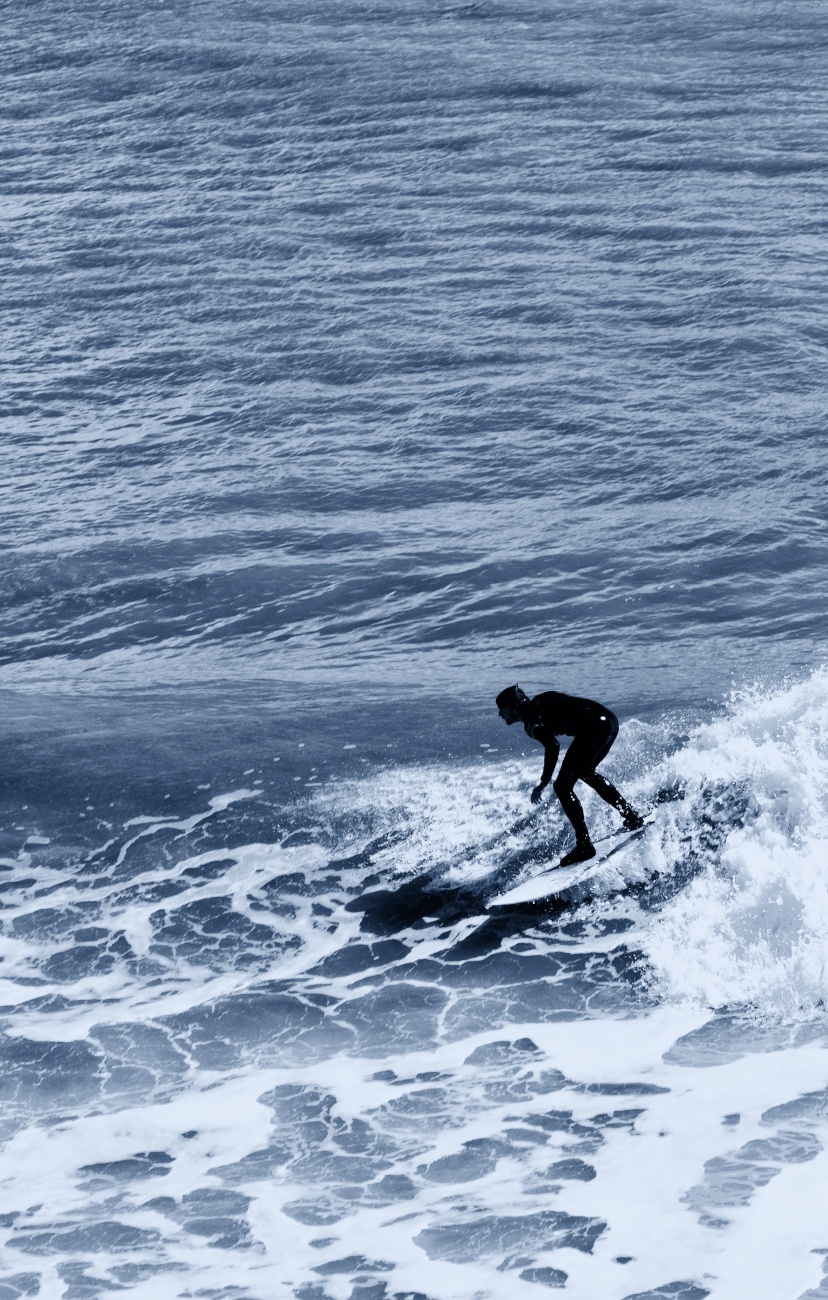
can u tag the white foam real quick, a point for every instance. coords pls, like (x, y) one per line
(752, 927)
(745, 930)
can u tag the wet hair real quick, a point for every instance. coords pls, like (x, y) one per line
(511, 698)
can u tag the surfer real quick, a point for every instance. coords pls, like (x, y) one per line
(593, 728)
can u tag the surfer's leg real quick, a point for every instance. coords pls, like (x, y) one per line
(584, 848)
(563, 786)
(571, 805)
(605, 788)
(614, 798)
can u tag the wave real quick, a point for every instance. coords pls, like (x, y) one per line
(750, 928)
(385, 879)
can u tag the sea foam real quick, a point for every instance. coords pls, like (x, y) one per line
(751, 928)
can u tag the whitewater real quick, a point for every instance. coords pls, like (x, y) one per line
(242, 1064)
(358, 360)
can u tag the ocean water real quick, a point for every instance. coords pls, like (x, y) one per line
(357, 361)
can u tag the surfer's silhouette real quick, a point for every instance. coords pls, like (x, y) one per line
(593, 728)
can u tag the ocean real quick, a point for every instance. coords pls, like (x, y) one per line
(359, 360)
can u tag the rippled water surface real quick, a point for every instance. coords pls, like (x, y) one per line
(358, 360)
(380, 343)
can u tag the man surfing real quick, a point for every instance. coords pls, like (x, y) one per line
(593, 728)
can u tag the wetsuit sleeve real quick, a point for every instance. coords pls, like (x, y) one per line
(551, 751)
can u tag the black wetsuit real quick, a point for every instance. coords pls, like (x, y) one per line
(593, 728)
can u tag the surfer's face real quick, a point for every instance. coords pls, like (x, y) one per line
(508, 715)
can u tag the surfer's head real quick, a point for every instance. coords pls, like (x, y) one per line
(509, 704)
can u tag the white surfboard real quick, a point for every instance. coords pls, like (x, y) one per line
(599, 873)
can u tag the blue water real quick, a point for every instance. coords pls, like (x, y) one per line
(357, 361)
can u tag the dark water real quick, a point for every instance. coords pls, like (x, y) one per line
(358, 360)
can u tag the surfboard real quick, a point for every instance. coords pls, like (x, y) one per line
(558, 881)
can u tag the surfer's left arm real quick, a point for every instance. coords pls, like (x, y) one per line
(551, 751)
